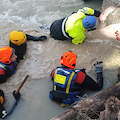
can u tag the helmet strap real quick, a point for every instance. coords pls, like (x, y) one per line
(91, 29)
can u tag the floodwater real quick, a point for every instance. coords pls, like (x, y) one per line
(31, 15)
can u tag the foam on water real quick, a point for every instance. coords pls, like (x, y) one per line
(39, 13)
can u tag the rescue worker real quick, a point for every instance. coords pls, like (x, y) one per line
(74, 26)
(7, 63)
(68, 82)
(17, 40)
(3, 112)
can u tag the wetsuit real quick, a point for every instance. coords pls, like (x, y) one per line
(68, 84)
(21, 50)
(64, 89)
(86, 81)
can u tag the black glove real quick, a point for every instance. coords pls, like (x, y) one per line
(17, 60)
(16, 96)
(8, 72)
(83, 70)
(41, 38)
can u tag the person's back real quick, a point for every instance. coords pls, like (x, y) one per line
(74, 26)
(68, 82)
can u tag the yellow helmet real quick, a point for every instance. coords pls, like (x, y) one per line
(17, 37)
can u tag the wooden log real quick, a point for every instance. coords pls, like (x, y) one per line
(112, 109)
(92, 106)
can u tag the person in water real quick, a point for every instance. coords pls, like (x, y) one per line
(7, 63)
(74, 26)
(18, 41)
(68, 82)
(3, 112)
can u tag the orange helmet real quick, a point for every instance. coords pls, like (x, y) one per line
(68, 59)
(5, 54)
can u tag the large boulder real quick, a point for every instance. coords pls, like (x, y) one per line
(111, 9)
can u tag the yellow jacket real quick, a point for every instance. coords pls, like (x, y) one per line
(74, 25)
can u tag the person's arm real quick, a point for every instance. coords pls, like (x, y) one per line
(90, 11)
(80, 77)
(3, 78)
(78, 40)
(97, 13)
(52, 74)
(4, 74)
(34, 38)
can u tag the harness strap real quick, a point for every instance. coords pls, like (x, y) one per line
(55, 85)
(64, 89)
(69, 81)
(2, 66)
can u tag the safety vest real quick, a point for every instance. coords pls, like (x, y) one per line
(13, 69)
(64, 90)
(74, 27)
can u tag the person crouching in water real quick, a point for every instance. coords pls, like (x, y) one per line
(18, 41)
(68, 82)
(74, 26)
(7, 63)
(3, 112)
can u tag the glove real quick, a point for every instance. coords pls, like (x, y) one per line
(98, 67)
(83, 70)
(41, 38)
(17, 60)
(16, 96)
(8, 72)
